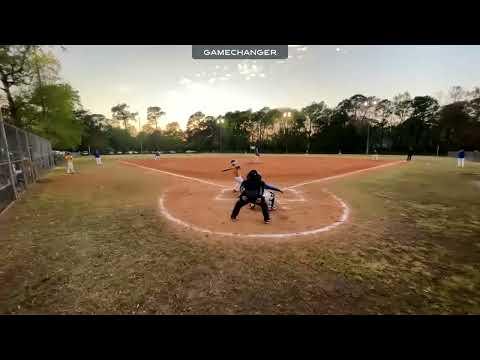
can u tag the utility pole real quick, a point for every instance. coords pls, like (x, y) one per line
(366, 104)
(141, 142)
(368, 138)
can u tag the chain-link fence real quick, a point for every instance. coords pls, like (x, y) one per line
(24, 158)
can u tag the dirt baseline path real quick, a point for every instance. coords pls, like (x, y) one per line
(202, 198)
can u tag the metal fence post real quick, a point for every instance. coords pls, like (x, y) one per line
(18, 133)
(32, 168)
(4, 136)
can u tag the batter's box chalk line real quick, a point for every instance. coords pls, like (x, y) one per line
(341, 220)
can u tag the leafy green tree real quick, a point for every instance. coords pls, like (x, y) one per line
(402, 105)
(202, 132)
(122, 116)
(60, 126)
(317, 116)
(94, 134)
(15, 71)
(154, 113)
(155, 141)
(120, 139)
(142, 138)
(456, 128)
(238, 125)
(174, 137)
(418, 126)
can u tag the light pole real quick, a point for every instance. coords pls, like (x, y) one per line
(141, 142)
(366, 104)
(286, 115)
(220, 123)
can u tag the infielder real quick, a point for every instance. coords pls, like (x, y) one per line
(257, 155)
(98, 158)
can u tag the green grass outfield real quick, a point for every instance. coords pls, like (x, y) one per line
(94, 243)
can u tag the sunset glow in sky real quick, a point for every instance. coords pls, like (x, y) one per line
(168, 77)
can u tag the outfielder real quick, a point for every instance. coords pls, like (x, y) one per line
(461, 158)
(69, 159)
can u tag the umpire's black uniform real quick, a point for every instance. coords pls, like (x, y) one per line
(252, 191)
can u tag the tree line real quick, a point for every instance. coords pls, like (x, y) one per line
(38, 100)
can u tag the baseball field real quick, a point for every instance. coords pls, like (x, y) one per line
(350, 235)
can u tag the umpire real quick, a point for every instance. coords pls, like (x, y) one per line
(252, 191)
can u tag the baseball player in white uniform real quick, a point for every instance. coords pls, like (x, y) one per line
(235, 166)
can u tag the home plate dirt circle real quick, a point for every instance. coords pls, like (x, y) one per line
(207, 209)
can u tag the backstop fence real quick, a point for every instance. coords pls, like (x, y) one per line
(24, 158)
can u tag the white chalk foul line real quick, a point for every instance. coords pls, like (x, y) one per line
(342, 219)
(343, 175)
(173, 174)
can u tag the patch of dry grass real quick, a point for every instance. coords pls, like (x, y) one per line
(94, 243)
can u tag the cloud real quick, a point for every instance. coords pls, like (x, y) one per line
(280, 61)
(217, 67)
(249, 70)
(299, 57)
(198, 74)
(185, 81)
(302, 49)
(262, 75)
(212, 80)
(223, 78)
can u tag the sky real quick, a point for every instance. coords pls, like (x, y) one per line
(167, 76)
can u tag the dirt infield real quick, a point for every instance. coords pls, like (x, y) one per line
(201, 197)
